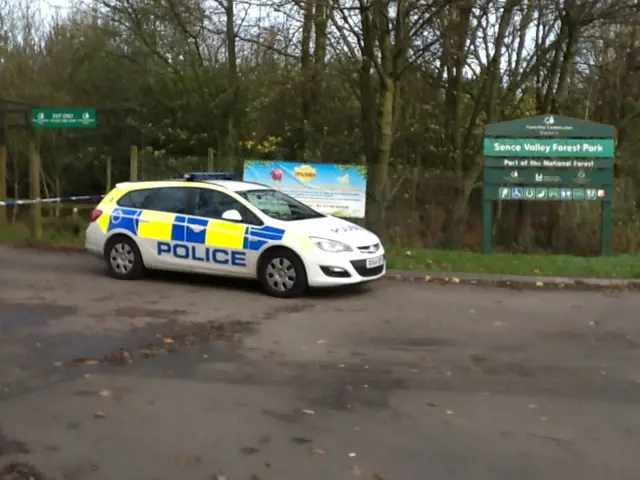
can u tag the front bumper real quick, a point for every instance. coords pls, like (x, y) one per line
(329, 270)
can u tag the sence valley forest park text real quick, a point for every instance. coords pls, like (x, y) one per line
(540, 148)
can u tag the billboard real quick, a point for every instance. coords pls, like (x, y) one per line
(332, 189)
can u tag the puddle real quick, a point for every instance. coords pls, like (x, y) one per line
(14, 316)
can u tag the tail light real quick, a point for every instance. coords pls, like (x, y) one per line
(95, 215)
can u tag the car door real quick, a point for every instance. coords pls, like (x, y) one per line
(162, 228)
(226, 251)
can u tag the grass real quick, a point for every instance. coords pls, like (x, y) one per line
(619, 266)
(69, 232)
(20, 234)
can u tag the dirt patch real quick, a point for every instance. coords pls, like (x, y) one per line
(21, 315)
(21, 471)
(182, 336)
(10, 446)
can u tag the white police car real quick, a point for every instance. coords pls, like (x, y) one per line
(209, 223)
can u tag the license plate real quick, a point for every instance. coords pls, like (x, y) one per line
(375, 262)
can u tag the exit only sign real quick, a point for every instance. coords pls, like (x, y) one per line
(63, 118)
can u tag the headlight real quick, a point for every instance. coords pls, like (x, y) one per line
(330, 245)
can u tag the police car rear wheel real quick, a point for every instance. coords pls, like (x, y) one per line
(123, 259)
(282, 274)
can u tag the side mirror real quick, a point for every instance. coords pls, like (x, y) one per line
(232, 216)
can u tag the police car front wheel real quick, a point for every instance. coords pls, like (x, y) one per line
(123, 258)
(282, 274)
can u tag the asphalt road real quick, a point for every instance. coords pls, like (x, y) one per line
(398, 380)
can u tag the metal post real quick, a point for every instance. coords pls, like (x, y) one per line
(34, 190)
(210, 160)
(487, 225)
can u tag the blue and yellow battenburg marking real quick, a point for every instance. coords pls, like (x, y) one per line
(170, 227)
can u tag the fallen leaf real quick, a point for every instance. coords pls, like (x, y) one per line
(432, 405)
(356, 471)
(168, 340)
(188, 460)
(352, 454)
(249, 450)
(427, 278)
(536, 270)
(104, 393)
(221, 477)
(85, 361)
(58, 364)
(99, 414)
(498, 324)
(544, 419)
(308, 412)
(449, 412)
(317, 451)
(300, 440)
(539, 284)
(321, 342)
(455, 280)
(533, 405)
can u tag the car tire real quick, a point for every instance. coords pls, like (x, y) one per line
(123, 258)
(282, 274)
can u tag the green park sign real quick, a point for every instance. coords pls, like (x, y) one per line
(63, 118)
(549, 158)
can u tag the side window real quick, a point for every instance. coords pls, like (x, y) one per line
(212, 204)
(134, 198)
(167, 199)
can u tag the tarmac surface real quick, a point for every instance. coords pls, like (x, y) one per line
(182, 377)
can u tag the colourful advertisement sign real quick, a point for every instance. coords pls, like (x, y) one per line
(332, 189)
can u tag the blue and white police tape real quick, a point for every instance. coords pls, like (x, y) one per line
(49, 200)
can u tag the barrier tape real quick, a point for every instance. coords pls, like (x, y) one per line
(49, 200)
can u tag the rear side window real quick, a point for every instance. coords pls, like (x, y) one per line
(165, 199)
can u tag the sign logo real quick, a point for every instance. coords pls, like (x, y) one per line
(514, 174)
(565, 194)
(554, 194)
(516, 193)
(601, 193)
(305, 173)
(549, 120)
(529, 193)
(85, 116)
(578, 193)
(504, 193)
(592, 193)
(539, 177)
(541, 193)
(40, 116)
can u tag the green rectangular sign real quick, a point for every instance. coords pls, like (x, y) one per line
(529, 176)
(544, 147)
(63, 118)
(559, 193)
(564, 163)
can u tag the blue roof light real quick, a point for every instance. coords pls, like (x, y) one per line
(195, 176)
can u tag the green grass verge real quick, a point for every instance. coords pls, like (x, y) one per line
(20, 234)
(66, 232)
(619, 266)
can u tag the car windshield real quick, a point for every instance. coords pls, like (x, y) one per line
(278, 205)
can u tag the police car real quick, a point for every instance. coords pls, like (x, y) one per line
(209, 223)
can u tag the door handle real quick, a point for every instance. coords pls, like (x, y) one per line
(143, 220)
(196, 228)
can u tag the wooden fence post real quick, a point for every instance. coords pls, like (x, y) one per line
(108, 176)
(133, 163)
(210, 160)
(35, 166)
(3, 185)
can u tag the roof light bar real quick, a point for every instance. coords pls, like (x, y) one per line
(195, 176)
